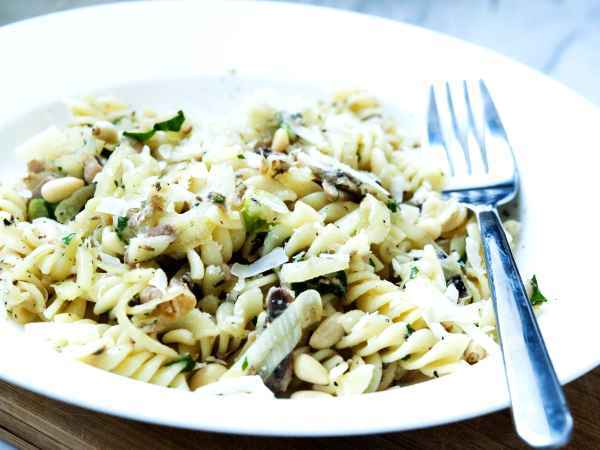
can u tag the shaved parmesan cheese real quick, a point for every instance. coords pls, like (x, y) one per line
(116, 206)
(271, 260)
(221, 179)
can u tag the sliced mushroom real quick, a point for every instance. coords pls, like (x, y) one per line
(278, 299)
(282, 376)
(340, 175)
(162, 230)
(337, 194)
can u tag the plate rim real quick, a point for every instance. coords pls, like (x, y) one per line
(493, 406)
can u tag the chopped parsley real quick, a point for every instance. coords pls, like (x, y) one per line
(537, 298)
(371, 262)
(187, 359)
(254, 224)
(253, 213)
(245, 364)
(122, 222)
(68, 238)
(172, 124)
(409, 330)
(392, 205)
(215, 197)
(414, 270)
(240, 156)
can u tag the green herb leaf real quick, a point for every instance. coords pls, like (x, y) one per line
(215, 197)
(392, 205)
(187, 359)
(371, 262)
(172, 124)
(140, 136)
(537, 298)
(240, 156)
(409, 330)
(121, 226)
(254, 224)
(414, 270)
(245, 364)
(68, 238)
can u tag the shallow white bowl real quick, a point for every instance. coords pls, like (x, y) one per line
(170, 54)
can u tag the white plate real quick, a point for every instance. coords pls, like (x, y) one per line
(181, 54)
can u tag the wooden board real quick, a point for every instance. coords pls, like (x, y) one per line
(29, 421)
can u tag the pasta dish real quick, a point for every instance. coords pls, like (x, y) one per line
(302, 253)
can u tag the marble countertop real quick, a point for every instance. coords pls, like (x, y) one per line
(560, 38)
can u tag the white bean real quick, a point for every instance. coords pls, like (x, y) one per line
(310, 370)
(60, 188)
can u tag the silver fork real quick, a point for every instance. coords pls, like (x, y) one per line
(484, 180)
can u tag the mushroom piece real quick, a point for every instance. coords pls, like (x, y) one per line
(162, 230)
(341, 175)
(278, 300)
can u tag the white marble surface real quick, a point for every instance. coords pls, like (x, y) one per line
(558, 37)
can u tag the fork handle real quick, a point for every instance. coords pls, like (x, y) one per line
(539, 408)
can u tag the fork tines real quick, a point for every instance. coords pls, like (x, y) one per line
(461, 117)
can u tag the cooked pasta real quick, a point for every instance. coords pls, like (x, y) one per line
(309, 249)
